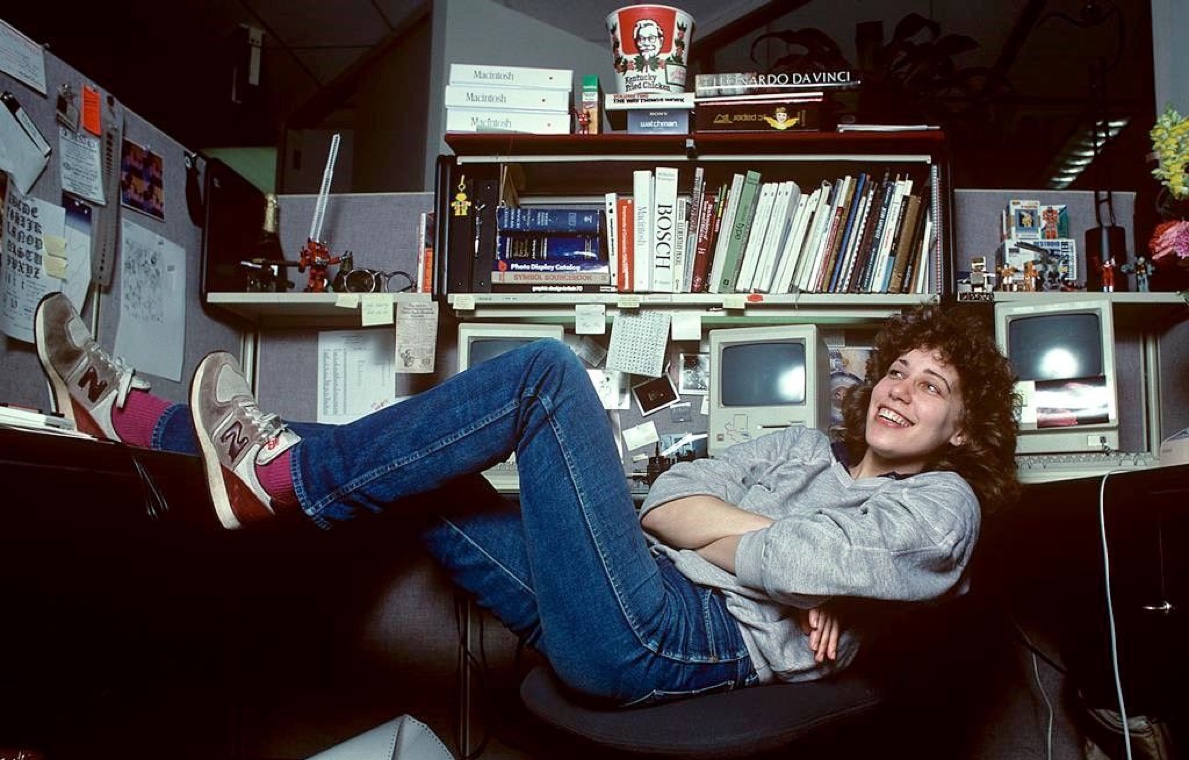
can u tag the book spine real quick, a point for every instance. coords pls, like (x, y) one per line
(517, 76)
(648, 101)
(642, 182)
(889, 187)
(425, 257)
(541, 219)
(790, 254)
(854, 247)
(740, 232)
(779, 229)
(850, 234)
(664, 223)
(760, 116)
(522, 247)
(564, 276)
(838, 219)
(625, 228)
(730, 202)
(810, 257)
(611, 226)
(749, 259)
(707, 218)
(493, 120)
(552, 286)
(697, 193)
(506, 98)
(740, 82)
(681, 259)
(863, 250)
(883, 272)
(903, 247)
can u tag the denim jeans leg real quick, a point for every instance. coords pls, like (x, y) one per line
(609, 623)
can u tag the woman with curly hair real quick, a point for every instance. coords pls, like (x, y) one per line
(730, 581)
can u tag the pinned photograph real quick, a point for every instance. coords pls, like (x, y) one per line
(612, 388)
(695, 374)
(654, 395)
(142, 180)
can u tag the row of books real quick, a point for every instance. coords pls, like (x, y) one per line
(859, 233)
(484, 98)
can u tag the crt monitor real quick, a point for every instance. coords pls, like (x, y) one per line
(1063, 353)
(478, 342)
(764, 379)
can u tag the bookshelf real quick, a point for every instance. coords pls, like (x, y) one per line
(578, 170)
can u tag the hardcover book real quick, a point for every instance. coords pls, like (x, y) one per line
(575, 249)
(726, 218)
(625, 246)
(704, 242)
(649, 101)
(739, 232)
(664, 228)
(750, 257)
(743, 83)
(780, 116)
(520, 76)
(642, 182)
(547, 219)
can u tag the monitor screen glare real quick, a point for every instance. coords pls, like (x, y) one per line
(763, 374)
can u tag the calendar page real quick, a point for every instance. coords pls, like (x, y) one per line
(638, 342)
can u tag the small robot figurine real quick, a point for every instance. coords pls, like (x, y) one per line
(1142, 269)
(316, 256)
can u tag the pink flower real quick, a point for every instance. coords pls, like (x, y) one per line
(1170, 242)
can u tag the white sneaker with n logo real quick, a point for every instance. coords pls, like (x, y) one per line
(234, 436)
(88, 384)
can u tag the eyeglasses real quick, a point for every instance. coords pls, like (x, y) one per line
(372, 281)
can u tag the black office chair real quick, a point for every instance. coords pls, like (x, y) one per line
(895, 698)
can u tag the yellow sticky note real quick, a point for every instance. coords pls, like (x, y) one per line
(55, 245)
(55, 266)
(346, 300)
(376, 309)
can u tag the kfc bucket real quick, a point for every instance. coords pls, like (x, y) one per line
(650, 44)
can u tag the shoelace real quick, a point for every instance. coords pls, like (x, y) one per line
(127, 380)
(270, 425)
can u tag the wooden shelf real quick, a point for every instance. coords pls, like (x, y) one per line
(713, 308)
(301, 309)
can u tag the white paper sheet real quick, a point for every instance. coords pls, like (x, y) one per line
(80, 164)
(25, 280)
(356, 373)
(21, 58)
(152, 330)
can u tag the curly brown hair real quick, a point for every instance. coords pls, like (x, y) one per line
(965, 341)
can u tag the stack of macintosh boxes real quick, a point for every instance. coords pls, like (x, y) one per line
(482, 98)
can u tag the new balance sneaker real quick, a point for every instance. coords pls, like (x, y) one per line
(88, 384)
(234, 438)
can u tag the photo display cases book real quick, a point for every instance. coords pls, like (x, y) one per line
(862, 215)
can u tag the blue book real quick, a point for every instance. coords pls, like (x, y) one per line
(542, 219)
(533, 247)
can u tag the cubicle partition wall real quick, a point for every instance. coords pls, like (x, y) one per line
(21, 379)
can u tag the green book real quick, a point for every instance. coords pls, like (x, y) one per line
(740, 230)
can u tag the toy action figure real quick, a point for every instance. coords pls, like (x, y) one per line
(1108, 276)
(317, 257)
(1142, 270)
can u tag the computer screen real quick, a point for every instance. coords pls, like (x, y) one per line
(478, 342)
(1063, 353)
(764, 379)
(233, 220)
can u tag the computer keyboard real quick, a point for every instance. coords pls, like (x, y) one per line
(1041, 468)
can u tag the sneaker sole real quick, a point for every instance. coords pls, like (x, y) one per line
(60, 395)
(216, 478)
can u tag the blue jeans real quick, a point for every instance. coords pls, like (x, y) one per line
(569, 571)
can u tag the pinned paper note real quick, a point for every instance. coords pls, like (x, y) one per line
(375, 309)
(638, 342)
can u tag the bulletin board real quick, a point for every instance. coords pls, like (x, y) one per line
(159, 192)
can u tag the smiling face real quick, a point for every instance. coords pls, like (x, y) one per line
(649, 37)
(916, 409)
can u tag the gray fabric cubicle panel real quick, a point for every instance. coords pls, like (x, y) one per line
(381, 230)
(21, 380)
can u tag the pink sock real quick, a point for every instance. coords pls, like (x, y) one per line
(134, 423)
(277, 481)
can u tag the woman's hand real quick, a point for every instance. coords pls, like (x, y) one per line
(823, 629)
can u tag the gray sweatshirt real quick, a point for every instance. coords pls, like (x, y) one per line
(905, 539)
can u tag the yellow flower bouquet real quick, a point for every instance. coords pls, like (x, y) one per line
(1170, 143)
